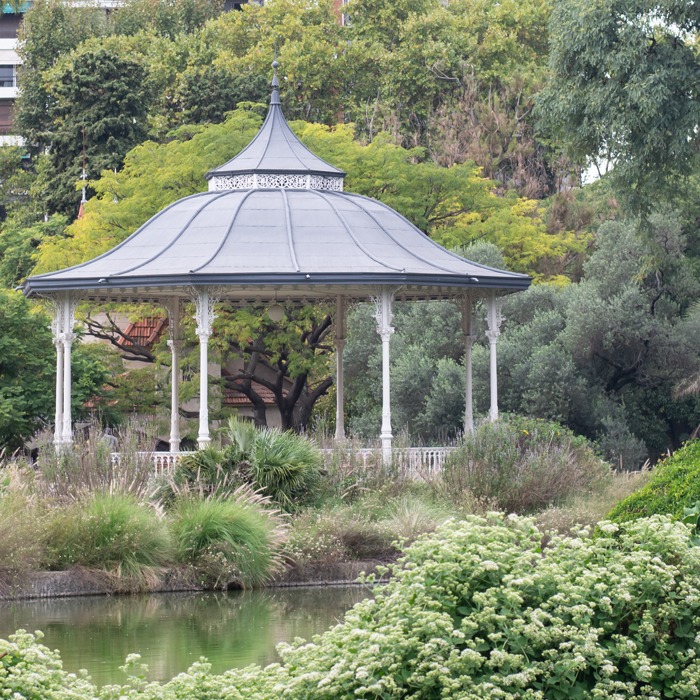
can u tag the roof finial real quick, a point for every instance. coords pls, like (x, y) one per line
(275, 99)
(83, 177)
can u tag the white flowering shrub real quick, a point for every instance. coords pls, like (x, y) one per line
(476, 610)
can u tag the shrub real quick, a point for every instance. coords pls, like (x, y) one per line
(521, 465)
(478, 610)
(113, 532)
(368, 528)
(338, 533)
(674, 485)
(589, 509)
(284, 466)
(409, 516)
(229, 540)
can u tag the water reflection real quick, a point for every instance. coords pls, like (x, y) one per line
(173, 630)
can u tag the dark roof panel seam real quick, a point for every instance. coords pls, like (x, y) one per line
(436, 245)
(126, 240)
(219, 248)
(323, 196)
(290, 235)
(273, 114)
(175, 239)
(398, 242)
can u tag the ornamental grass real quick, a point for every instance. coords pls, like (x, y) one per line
(232, 540)
(113, 532)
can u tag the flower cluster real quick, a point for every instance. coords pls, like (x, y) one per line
(477, 610)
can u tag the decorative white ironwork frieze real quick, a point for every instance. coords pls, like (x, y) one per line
(290, 181)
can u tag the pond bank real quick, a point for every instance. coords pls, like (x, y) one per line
(89, 582)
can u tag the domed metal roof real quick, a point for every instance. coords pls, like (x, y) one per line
(275, 221)
(268, 237)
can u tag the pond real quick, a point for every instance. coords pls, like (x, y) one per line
(172, 630)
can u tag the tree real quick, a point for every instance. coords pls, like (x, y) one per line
(50, 29)
(290, 358)
(206, 93)
(28, 371)
(604, 356)
(19, 247)
(623, 90)
(167, 18)
(100, 107)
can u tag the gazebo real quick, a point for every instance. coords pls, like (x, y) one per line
(275, 227)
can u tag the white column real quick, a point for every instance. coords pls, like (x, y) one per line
(467, 326)
(385, 330)
(339, 381)
(57, 332)
(175, 344)
(68, 338)
(494, 319)
(204, 316)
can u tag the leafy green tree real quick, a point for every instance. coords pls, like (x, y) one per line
(167, 18)
(604, 356)
(100, 106)
(19, 247)
(290, 358)
(206, 93)
(622, 90)
(50, 29)
(26, 394)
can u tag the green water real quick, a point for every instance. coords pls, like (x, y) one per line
(173, 630)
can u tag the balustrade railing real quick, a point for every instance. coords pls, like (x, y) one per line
(411, 462)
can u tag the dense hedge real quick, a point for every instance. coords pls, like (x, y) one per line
(674, 486)
(477, 610)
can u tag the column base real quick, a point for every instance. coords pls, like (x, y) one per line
(386, 448)
(175, 446)
(203, 442)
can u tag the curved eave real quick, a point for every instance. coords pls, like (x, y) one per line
(36, 286)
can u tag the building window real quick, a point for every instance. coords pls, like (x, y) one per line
(8, 77)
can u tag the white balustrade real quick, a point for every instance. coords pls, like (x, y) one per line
(412, 462)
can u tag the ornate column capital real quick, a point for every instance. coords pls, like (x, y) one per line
(386, 333)
(68, 339)
(383, 313)
(204, 299)
(494, 318)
